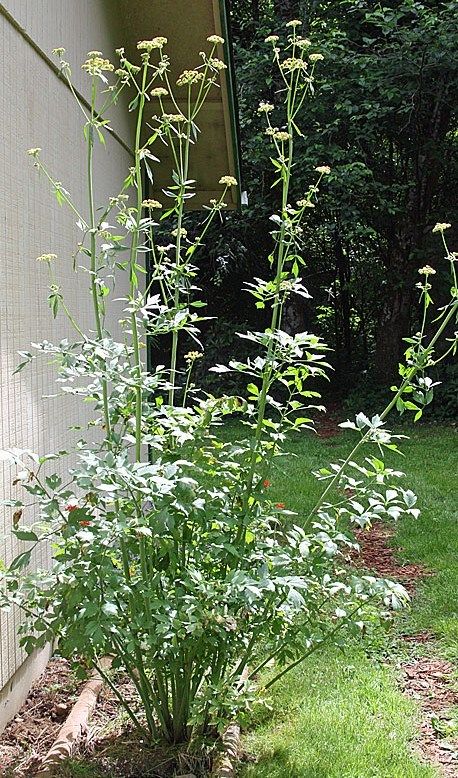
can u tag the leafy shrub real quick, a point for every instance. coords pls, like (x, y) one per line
(168, 553)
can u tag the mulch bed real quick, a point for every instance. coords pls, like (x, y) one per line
(426, 680)
(111, 749)
(31, 733)
(327, 424)
(378, 554)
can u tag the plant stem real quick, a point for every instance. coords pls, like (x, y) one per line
(93, 258)
(132, 264)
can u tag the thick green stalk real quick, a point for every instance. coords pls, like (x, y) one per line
(121, 699)
(275, 322)
(93, 257)
(184, 168)
(133, 260)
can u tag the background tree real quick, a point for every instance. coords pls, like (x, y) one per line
(386, 123)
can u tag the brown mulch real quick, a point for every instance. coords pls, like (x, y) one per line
(426, 680)
(379, 555)
(327, 424)
(111, 749)
(31, 733)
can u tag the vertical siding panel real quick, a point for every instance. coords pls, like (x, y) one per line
(37, 109)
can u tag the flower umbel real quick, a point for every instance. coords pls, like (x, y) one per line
(228, 181)
(47, 258)
(159, 91)
(190, 77)
(151, 204)
(191, 356)
(441, 226)
(155, 43)
(96, 64)
(215, 39)
(265, 107)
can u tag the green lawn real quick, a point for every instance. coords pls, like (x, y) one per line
(342, 715)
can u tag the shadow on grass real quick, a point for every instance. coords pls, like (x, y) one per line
(278, 764)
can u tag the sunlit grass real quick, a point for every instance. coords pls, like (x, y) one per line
(342, 715)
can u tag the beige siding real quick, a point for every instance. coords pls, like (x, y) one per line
(37, 109)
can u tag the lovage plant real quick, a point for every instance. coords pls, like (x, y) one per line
(168, 554)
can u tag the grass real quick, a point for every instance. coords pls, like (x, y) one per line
(342, 715)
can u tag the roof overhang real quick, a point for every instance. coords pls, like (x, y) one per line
(187, 24)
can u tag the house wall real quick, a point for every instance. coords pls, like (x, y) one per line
(37, 109)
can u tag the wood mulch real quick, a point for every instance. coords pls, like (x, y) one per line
(31, 733)
(379, 555)
(429, 681)
(327, 424)
(111, 748)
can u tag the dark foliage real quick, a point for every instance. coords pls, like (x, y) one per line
(384, 118)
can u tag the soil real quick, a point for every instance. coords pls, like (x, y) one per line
(429, 681)
(111, 749)
(327, 424)
(31, 733)
(379, 555)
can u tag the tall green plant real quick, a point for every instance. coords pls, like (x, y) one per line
(167, 552)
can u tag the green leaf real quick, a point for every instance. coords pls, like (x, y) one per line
(20, 561)
(23, 534)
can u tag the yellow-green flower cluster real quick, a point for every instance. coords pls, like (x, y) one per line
(281, 135)
(315, 57)
(151, 204)
(303, 43)
(272, 39)
(215, 39)
(216, 64)
(182, 233)
(47, 258)
(293, 63)
(217, 205)
(155, 43)
(427, 270)
(441, 226)
(96, 64)
(159, 91)
(324, 170)
(173, 118)
(33, 152)
(191, 356)
(190, 77)
(294, 23)
(265, 107)
(228, 181)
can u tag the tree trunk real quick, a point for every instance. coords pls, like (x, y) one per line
(393, 326)
(343, 273)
